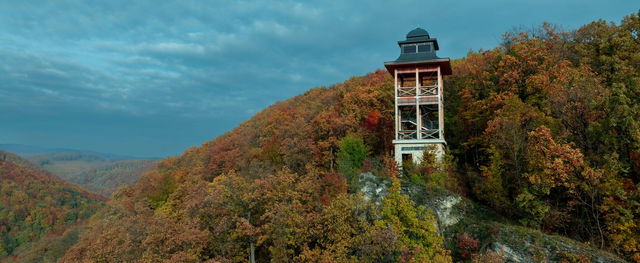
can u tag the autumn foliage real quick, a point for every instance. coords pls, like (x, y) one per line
(543, 129)
(34, 205)
(275, 188)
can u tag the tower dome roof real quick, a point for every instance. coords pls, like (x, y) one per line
(419, 49)
(418, 32)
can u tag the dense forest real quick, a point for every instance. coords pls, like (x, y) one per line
(35, 205)
(546, 131)
(543, 131)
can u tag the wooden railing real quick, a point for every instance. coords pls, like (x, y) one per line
(430, 133)
(423, 91)
(424, 134)
(407, 135)
(406, 91)
(428, 90)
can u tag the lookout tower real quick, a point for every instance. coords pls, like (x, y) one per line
(419, 116)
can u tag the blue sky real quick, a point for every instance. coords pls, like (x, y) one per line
(151, 78)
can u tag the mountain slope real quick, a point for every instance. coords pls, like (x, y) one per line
(34, 205)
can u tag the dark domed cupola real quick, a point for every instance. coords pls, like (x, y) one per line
(418, 32)
(418, 47)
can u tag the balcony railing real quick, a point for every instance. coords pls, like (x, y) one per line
(423, 91)
(406, 91)
(426, 134)
(428, 90)
(430, 133)
(407, 135)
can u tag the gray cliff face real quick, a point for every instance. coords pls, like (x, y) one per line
(372, 187)
(457, 215)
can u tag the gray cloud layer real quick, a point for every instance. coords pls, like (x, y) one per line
(154, 77)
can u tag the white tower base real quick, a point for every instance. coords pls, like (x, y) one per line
(413, 149)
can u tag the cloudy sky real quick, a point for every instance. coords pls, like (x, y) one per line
(151, 78)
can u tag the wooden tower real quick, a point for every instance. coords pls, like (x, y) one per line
(419, 116)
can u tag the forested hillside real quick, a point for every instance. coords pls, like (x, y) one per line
(544, 130)
(34, 205)
(94, 172)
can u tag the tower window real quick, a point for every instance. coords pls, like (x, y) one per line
(409, 49)
(420, 48)
(424, 48)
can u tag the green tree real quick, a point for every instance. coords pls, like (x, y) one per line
(415, 227)
(491, 186)
(352, 153)
(342, 232)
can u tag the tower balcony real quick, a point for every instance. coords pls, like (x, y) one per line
(406, 91)
(422, 100)
(430, 90)
(425, 134)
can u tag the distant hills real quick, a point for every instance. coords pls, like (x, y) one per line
(31, 150)
(93, 172)
(101, 173)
